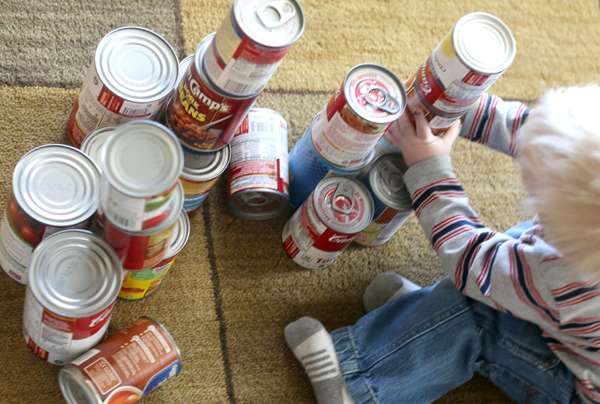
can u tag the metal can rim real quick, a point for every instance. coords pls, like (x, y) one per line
(222, 158)
(401, 203)
(72, 374)
(90, 147)
(181, 236)
(244, 215)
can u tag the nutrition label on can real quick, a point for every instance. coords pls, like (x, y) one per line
(17, 248)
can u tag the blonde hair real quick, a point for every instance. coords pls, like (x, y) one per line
(559, 155)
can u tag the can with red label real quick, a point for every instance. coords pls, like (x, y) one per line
(15, 270)
(203, 116)
(54, 187)
(251, 43)
(131, 77)
(392, 202)
(146, 248)
(202, 170)
(124, 368)
(139, 284)
(258, 177)
(327, 222)
(73, 281)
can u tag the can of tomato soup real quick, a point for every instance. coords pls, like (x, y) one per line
(124, 368)
(144, 249)
(73, 281)
(54, 187)
(392, 202)
(258, 178)
(132, 74)
(139, 284)
(203, 116)
(141, 166)
(202, 170)
(251, 43)
(327, 222)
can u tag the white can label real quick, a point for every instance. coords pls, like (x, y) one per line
(17, 248)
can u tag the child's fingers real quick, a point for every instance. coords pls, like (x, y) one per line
(405, 126)
(452, 133)
(423, 131)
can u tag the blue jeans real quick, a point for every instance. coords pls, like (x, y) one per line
(418, 347)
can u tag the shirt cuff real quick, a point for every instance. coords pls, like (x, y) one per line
(428, 171)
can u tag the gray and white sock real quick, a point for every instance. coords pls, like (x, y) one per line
(313, 347)
(385, 287)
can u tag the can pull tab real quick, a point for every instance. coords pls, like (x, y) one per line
(342, 201)
(276, 13)
(378, 97)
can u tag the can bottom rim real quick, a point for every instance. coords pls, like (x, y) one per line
(74, 387)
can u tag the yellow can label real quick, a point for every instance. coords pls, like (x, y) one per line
(139, 284)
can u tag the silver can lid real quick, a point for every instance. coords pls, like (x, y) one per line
(184, 65)
(484, 43)
(143, 159)
(386, 179)
(57, 185)
(180, 236)
(204, 166)
(271, 23)
(375, 93)
(74, 273)
(93, 143)
(74, 387)
(136, 64)
(343, 204)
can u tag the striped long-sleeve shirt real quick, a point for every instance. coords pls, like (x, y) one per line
(526, 277)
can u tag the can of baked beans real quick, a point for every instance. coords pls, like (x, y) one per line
(144, 249)
(139, 284)
(251, 43)
(183, 67)
(12, 268)
(141, 167)
(392, 202)
(124, 368)
(327, 222)
(73, 281)
(202, 170)
(54, 187)
(258, 177)
(131, 77)
(203, 116)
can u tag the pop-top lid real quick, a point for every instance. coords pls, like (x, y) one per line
(343, 204)
(180, 236)
(74, 273)
(484, 43)
(204, 166)
(386, 178)
(136, 64)
(271, 23)
(375, 93)
(57, 185)
(94, 142)
(143, 159)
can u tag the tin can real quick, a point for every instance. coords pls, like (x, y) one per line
(93, 144)
(73, 282)
(142, 163)
(193, 204)
(202, 170)
(132, 74)
(251, 43)
(392, 202)
(54, 187)
(308, 166)
(370, 98)
(12, 268)
(139, 284)
(124, 368)
(146, 248)
(183, 67)
(258, 177)
(327, 222)
(203, 116)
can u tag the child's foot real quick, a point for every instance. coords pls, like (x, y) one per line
(313, 347)
(385, 287)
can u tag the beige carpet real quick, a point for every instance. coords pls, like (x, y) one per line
(232, 291)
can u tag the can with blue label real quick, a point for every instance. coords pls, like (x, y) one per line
(192, 204)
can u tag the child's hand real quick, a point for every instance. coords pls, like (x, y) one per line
(418, 144)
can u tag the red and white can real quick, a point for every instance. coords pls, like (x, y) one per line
(124, 368)
(258, 177)
(73, 282)
(203, 116)
(327, 222)
(251, 43)
(131, 77)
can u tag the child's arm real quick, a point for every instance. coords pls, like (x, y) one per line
(494, 122)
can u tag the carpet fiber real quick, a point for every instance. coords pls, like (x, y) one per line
(233, 290)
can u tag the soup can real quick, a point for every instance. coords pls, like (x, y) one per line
(327, 222)
(12, 268)
(124, 368)
(202, 170)
(192, 204)
(146, 248)
(54, 187)
(141, 166)
(251, 43)
(392, 202)
(139, 284)
(258, 177)
(203, 116)
(73, 281)
(132, 74)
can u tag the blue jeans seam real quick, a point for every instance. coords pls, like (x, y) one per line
(366, 375)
